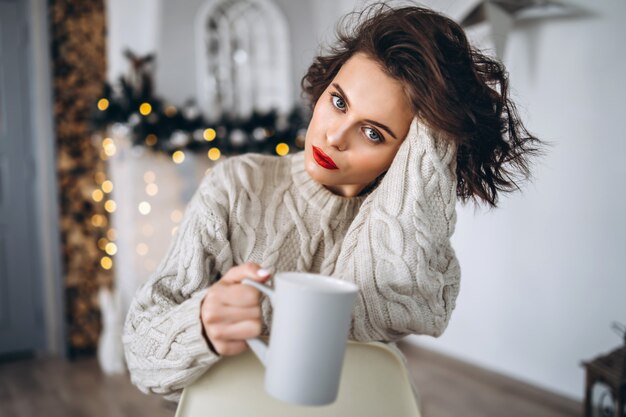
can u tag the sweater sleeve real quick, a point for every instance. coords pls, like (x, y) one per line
(163, 342)
(397, 249)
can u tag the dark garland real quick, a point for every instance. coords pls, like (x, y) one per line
(166, 128)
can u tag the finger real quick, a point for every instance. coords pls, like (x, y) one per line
(230, 348)
(234, 295)
(240, 295)
(228, 314)
(248, 270)
(237, 331)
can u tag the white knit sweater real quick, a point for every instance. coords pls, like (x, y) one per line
(394, 243)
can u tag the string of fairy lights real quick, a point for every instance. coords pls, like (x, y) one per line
(154, 125)
(176, 131)
(106, 243)
(103, 193)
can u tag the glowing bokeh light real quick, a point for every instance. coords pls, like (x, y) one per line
(103, 104)
(209, 134)
(106, 262)
(178, 157)
(144, 207)
(282, 149)
(107, 186)
(145, 109)
(214, 154)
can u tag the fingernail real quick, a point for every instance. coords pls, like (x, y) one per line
(262, 272)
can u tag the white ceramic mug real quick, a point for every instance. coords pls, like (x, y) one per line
(310, 324)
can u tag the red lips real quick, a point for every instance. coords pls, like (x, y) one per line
(322, 159)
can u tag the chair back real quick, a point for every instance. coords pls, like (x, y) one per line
(374, 382)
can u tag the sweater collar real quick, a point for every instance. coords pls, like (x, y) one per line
(319, 196)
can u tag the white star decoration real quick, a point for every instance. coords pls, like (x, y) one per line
(490, 21)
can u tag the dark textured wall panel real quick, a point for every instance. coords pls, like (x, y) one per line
(78, 53)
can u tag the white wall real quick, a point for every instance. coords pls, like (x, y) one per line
(542, 276)
(134, 25)
(167, 28)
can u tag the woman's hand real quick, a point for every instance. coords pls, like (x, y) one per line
(231, 311)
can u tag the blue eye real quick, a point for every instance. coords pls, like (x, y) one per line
(338, 102)
(373, 135)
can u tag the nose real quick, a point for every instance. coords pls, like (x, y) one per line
(337, 135)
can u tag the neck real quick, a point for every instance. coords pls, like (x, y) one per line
(353, 190)
(345, 190)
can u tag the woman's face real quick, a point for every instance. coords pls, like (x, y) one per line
(359, 122)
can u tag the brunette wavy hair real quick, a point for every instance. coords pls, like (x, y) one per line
(453, 88)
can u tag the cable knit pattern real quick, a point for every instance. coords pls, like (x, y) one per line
(397, 249)
(393, 242)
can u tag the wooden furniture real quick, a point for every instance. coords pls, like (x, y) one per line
(609, 369)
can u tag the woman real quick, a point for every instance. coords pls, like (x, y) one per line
(407, 117)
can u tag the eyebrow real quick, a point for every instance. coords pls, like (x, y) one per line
(375, 123)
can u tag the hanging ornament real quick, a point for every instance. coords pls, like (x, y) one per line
(489, 22)
(191, 112)
(179, 139)
(259, 134)
(237, 138)
(134, 119)
(282, 122)
(198, 135)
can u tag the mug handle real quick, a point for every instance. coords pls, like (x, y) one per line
(258, 346)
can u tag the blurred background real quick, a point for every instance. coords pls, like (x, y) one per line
(112, 111)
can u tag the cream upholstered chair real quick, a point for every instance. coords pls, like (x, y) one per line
(374, 382)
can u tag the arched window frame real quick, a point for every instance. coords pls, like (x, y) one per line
(261, 79)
